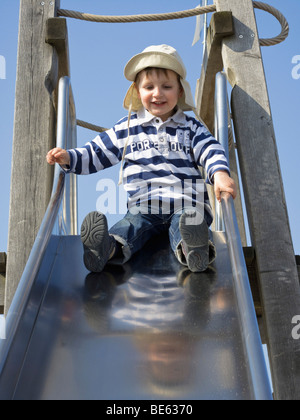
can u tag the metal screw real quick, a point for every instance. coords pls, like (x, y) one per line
(42, 3)
(241, 36)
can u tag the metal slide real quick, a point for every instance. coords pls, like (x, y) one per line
(148, 330)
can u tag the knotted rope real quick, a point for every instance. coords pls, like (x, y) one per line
(266, 42)
(285, 29)
(137, 18)
(181, 15)
(92, 127)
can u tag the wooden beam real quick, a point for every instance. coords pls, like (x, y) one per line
(3, 258)
(250, 259)
(221, 25)
(2, 293)
(34, 135)
(265, 199)
(57, 35)
(2, 280)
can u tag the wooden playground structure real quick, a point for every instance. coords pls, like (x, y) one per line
(234, 47)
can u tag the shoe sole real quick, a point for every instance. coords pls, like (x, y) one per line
(197, 262)
(195, 236)
(96, 241)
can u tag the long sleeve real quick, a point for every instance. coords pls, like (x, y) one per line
(209, 153)
(101, 153)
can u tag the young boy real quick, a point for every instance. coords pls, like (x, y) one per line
(162, 149)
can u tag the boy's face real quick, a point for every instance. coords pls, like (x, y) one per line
(159, 92)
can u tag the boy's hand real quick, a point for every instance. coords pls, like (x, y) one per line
(59, 156)
(223, 183)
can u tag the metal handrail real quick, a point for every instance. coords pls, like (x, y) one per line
(251, 336)
(227, 221)
(221, 132)
(67, 133)
(18, 305)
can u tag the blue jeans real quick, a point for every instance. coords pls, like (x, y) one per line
(135, 230)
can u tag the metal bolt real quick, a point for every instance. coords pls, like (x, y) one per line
(42, 3)
(241, 36)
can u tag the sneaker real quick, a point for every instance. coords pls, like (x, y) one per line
(195, 242)
(99, 247)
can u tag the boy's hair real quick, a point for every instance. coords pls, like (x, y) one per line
(158, 70)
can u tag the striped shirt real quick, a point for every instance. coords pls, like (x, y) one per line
(162, 160)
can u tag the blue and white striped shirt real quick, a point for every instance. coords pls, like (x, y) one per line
(162, 161)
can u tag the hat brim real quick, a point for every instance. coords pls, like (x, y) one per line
(153, 59)
(185, 103)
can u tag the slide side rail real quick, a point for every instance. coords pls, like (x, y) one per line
(66, 120)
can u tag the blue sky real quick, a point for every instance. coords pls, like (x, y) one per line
(98, 54)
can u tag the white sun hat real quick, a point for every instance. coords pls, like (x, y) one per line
(160, 56)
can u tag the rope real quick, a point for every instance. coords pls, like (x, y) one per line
(92, 127)
(265, 42)
(285, 29)
(137, 18)
(180, 15)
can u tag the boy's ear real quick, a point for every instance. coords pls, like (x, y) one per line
(181, 93)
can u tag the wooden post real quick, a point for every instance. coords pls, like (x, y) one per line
(221, 25)
(34, 135)
(57, 36)
(265, 200)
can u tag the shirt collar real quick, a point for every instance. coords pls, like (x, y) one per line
(145, 117)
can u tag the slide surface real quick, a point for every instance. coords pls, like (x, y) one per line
(147, 330)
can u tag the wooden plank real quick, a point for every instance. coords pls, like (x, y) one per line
(221, 25)
(57, 35)
(2, 293)
(298, 265)
(3, 258)
(250, 259)
(265, 200)
(34, 135)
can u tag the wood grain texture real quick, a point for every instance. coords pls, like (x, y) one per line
(34, 135)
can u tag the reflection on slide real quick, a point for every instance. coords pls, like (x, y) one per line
(147, 330)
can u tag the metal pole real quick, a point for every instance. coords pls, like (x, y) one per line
(221, 131)
(264, 195)
(205, 29)
(251, 337)
(227, 221)
(222, 111)
(66, 137)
